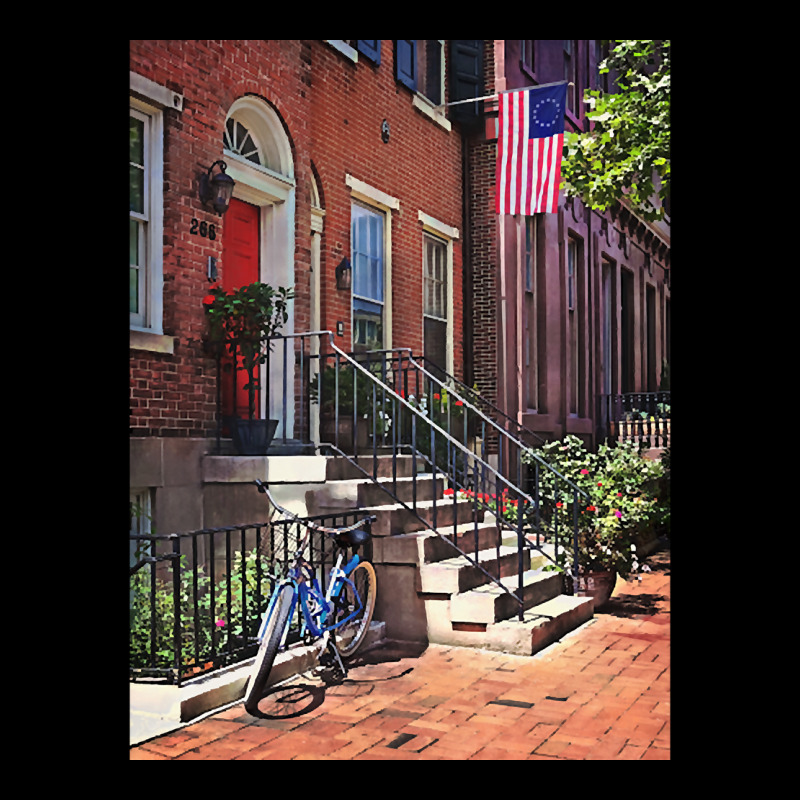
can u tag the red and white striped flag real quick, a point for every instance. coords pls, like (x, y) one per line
(529, 144)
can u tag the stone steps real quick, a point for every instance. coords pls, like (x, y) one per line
(450, 599)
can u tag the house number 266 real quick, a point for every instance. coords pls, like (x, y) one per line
(203, 228)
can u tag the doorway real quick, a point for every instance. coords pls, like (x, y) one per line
(240, 267)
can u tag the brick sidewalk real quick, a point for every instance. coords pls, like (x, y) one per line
(602, 692)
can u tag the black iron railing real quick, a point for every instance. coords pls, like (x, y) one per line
(640, 417)
(369, 405)
(197, 598)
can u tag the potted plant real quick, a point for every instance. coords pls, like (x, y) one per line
(618, 515)
(338, 429)
(243, 322)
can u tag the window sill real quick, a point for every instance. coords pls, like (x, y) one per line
(152, 342)
(424, 106)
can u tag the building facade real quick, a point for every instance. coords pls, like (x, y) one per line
(340, 157)
(567, 308)
(344, 153)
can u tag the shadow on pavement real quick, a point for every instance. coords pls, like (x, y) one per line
(291, 700)
(632, 605)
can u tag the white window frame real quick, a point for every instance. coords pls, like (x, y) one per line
(446, 234)
(382, 303)
(150, 99)
(151, 318)
(376, 199)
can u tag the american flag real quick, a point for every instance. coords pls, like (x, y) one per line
(529, 144)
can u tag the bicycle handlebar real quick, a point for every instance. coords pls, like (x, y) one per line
(333, 532)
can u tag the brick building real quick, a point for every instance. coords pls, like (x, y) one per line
(343, 149)
(338, 152)
(568, 308)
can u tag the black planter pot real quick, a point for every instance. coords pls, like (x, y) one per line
(252, 437)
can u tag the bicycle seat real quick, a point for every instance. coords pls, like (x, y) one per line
(354, 538)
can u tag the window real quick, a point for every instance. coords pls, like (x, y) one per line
(576, 327)
(528, 56)
(603, 50)
(435, 305)
(237, 139)
(139, 190)
(531, 346)
(141, 510)
(419, 65)
(146, 224)
(571, 72)
(367, 251)
(370, 48)
(145, 194)
(572, 258)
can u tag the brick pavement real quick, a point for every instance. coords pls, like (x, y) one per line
(602, 692)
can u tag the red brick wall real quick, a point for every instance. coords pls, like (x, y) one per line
(332, 112)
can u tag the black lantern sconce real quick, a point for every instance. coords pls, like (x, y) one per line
(217, 191)
(344, 275)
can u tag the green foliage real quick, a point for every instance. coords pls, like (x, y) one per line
(204, 633)
(243, 321)
(625, 503)
(630, 141)
(347, 380)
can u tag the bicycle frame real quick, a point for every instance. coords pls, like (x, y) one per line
(300, 578)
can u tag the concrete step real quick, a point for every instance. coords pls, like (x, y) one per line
(350, 493)
(454, 575)
(395, 519)
(339, 468)
(426, 547)
(489, 603)
(542, 625)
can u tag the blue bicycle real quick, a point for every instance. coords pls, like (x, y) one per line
(339, 619)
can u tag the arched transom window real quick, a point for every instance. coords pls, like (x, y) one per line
(237, 139)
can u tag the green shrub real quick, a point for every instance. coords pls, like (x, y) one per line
(624, 502)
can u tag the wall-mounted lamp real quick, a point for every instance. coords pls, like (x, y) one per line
(217, 191)
(344, 274)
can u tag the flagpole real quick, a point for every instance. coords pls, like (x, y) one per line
(505, 91)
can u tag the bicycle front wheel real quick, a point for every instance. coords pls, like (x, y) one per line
(268, 649)
(351, 635)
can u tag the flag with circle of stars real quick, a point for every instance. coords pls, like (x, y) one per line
(529, 146)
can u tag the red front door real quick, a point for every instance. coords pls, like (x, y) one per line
(239, 267)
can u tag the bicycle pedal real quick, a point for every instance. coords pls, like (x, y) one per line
(326, 659)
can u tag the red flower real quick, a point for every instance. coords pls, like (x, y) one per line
(584, 472)
(459, 403)
(559, 505)
(448, 492)
(599, 484)
(437, 397)
(591, 508)
(208, 299)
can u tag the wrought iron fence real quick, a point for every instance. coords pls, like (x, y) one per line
(197, 598)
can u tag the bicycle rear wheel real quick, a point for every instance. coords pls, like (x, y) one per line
(350, 636)
(268, 649)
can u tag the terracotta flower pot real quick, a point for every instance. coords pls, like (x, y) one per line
(328, 434)
(597, 585)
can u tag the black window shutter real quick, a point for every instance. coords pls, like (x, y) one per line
(466, 77)
(405, 57)
(371, 48)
